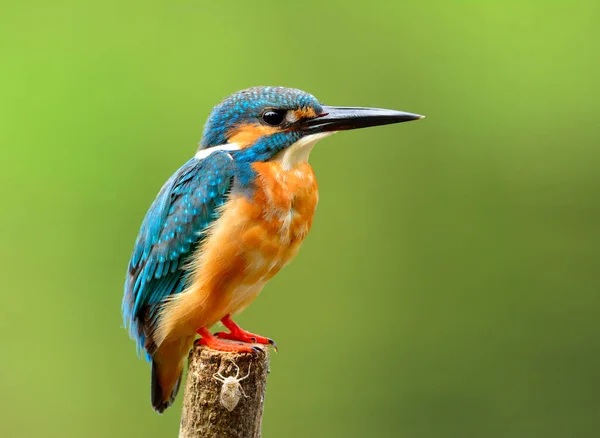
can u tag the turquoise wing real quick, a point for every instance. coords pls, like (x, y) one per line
(172, 230)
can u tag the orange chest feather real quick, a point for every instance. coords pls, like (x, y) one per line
(255, 237)
(277, 218)
(285, 200)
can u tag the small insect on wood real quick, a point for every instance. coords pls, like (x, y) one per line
(231, 391)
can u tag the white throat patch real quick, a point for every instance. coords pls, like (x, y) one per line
(299, 151)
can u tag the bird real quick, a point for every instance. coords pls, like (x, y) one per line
(226, 222)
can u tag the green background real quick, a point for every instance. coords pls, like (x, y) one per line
(450, 284)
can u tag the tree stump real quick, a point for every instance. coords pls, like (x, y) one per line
(233, 408)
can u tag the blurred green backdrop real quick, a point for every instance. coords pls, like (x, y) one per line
(450, 285)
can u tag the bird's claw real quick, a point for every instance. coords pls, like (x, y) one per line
(221, 345)
(273, 344)
(249, 338)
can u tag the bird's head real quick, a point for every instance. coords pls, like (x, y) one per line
(258, 124)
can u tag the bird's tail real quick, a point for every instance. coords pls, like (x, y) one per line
(162, 397)
(167, 370)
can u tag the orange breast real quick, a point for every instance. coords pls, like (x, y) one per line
(251, 241)
(280, 216)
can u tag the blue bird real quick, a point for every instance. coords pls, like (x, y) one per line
(226, 222)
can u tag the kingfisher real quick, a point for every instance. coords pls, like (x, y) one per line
(226, 222)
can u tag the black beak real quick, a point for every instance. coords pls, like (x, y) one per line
(339, 118)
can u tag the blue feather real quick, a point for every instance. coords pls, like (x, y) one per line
(248, 104)
(172, 229)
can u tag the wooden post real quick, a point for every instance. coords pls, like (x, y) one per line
(231, 409)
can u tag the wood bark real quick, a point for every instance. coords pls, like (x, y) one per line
(205, 413)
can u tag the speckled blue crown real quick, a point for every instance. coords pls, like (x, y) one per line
(248, 105)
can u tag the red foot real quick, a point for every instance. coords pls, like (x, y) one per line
(239, 334)
(216, 344)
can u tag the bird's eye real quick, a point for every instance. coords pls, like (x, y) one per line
(273, 117)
